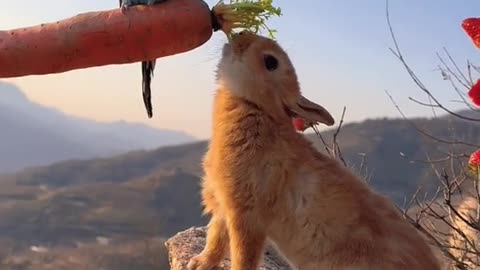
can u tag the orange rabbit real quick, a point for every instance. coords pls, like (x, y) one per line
(264, 181)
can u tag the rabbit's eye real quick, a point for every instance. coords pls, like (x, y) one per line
(271, 63)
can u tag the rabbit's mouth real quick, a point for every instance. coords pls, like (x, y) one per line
(293, 115)
(305, 123)
(289, 112)
(310, 111)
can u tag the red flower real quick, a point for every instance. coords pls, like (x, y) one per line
(474, 161)
(474, 93)
(299, 124)
(472, 28)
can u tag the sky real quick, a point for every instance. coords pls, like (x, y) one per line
(339, 48)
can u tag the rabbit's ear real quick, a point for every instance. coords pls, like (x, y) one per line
(312, 111)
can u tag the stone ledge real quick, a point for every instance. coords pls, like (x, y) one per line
(184, 245)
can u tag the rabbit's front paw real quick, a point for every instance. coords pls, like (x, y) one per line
(200, 262)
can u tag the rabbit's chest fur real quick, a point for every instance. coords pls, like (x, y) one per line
(240, 159)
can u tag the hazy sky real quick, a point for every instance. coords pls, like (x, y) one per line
(339, 47)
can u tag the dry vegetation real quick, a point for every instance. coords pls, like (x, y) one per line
(447, 209)
(449, 217)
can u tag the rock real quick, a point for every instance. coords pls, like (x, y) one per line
(184, 245)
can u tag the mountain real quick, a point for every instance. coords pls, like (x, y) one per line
(396, 152)
(145, 195)
(34, 135)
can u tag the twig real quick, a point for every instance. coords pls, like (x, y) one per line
(336, 146)
(323, 141)
(425, 133)
(397, 52)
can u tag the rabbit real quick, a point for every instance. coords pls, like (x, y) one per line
(264, 181)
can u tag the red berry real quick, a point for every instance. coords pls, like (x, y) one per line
(299, 124)
(472, 28)
(474, 93)
(474, 161)
(475, 158)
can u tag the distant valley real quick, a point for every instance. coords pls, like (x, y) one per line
(35, 135)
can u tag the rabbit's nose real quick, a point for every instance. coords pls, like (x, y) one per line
(236, 35)
(240, 34)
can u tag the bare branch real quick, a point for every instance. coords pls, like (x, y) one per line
(397, 52)
(454, 232)
(319, 134)
(336, 147)
(424, 132)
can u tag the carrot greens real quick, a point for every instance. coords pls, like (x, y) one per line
(249, 15)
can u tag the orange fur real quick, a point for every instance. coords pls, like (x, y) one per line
(264, 181)
(463, 245)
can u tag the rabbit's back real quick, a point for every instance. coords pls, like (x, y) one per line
(334, 221)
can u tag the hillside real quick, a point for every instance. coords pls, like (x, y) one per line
(395, 151)
(35, 135)
(146, 194)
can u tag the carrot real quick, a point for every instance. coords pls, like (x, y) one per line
(105, 38)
